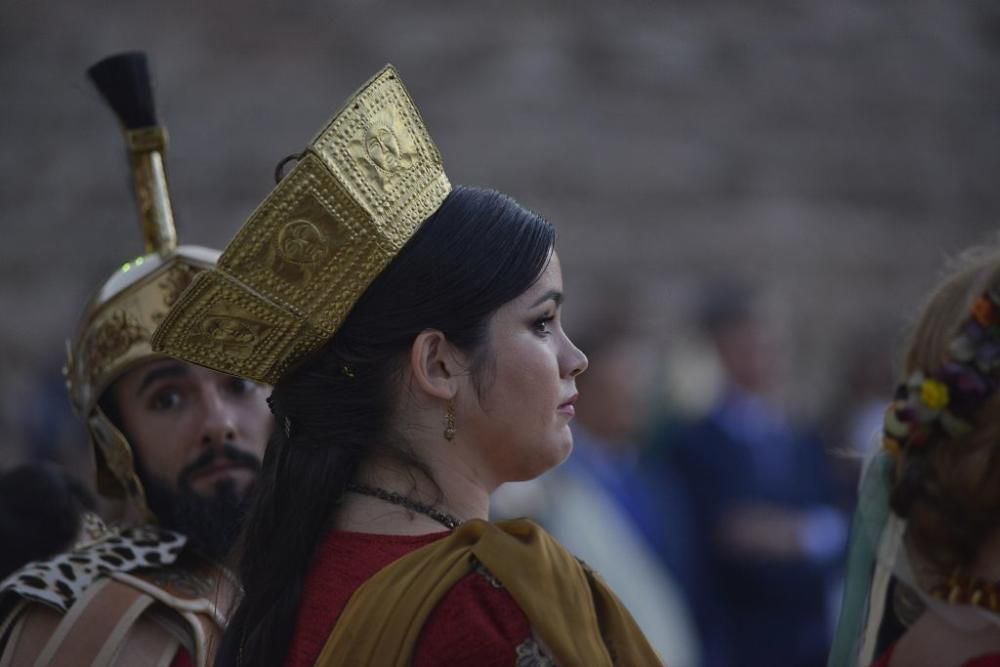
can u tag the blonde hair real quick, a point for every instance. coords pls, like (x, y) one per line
(949, 489)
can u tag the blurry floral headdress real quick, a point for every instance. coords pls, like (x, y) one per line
(927, 408)
(946, 401)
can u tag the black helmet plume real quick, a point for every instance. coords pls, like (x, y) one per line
(123, 81)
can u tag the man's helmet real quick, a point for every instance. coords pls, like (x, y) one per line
(118, 323)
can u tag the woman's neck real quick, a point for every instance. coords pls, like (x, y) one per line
(455, 494)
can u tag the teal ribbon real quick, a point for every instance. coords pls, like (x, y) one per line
(869, 521)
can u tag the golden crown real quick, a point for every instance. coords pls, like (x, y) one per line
(291, 275)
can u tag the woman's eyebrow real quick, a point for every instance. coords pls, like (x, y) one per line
(555, 295)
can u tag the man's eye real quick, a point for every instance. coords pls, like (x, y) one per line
(239, 386)
(165, 400)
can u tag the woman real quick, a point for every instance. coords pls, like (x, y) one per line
(929, 516)
(435, 369)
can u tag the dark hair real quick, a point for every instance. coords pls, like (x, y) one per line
(477, 252)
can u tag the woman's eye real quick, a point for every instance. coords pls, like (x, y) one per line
(165, 400)
(543, 325)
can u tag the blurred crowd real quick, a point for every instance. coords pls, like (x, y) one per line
(722, 522)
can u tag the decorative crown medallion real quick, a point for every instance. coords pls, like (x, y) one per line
(294, 271)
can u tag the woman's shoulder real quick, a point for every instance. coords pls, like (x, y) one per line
(343, 561)
(478, 622)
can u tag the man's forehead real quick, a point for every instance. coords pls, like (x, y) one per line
(137, 379)
(146, 373)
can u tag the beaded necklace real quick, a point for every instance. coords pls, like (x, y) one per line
(445, 519)
(962, 588)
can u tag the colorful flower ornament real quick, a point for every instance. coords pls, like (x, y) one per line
(934, 394)
(946, 401)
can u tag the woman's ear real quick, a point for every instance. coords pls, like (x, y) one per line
(434, 363)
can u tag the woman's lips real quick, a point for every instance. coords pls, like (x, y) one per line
(568, 408)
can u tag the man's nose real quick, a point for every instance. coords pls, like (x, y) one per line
(220, 424)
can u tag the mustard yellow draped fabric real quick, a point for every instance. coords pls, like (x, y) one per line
(577, 617)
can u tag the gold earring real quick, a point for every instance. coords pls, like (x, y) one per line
(449, 423)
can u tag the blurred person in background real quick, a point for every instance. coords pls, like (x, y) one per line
(923, 585)
(177, 447)
(51, 432)
(855, 422)
(42, 512)
(629, 526)
(768, 537)
(868, 362)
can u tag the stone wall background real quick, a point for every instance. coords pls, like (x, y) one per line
(834, 153)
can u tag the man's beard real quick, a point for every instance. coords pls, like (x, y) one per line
(211, 523)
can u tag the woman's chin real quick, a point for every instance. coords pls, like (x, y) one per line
(556, 456)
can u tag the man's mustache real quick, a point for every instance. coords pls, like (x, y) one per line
(227, 454)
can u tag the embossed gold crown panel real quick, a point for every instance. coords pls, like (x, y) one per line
(294, 271)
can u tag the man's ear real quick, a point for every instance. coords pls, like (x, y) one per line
(434, 363)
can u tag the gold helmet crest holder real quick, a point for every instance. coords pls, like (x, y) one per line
(117, 325)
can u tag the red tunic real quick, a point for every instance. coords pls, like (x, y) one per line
(991, 660)
(182, 659)
(476, 623)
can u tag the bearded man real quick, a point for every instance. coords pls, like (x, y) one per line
(177, 449)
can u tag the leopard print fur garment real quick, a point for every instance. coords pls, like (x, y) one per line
(62, 579)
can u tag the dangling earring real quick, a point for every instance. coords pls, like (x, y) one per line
(449, 422)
